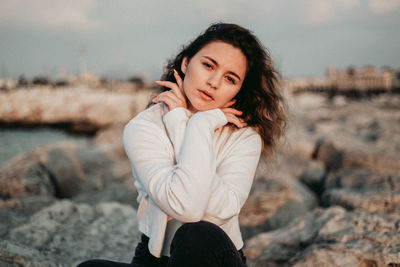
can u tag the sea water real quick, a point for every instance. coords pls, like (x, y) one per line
(14, 141)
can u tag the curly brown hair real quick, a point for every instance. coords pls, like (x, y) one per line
(260, 98)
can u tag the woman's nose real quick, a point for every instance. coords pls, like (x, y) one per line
(214, 80)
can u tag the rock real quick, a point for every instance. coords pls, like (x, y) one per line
(12, 254)
(378, 162)
(339, 101)
(23, 209)
(370, 132)
(110, 139)
(336, 159)
(363, 189)
(274, 202)
(296, 166)
(309, 101)
(329, 237)
(357, 134)
(24, 175)
(65, 174)
(298, 136)
(78, 108)
(62, 169)
(288, 164)
(121, 192)
(67, 233)
(314, 178)
(329, 155)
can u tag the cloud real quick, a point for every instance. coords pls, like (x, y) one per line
(347, 4)
(228, 9)
(48, 13)
(319, 12)
(383, 6)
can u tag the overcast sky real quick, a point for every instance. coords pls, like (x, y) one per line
(120, 38)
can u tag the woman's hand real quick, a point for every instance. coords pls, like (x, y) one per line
(173, 98)
(231, 114)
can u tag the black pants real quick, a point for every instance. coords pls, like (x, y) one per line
(194, 244)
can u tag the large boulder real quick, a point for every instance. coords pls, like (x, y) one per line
(336, 159)
(330, 237)
(289, 164)
(273, 202)
(110, 141)
(354, 134)
(62, 170)
(66, 233)
(20, 210)
(362, 189)
(295, 166)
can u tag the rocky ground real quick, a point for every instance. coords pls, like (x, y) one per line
(331, 197)
(78, 108)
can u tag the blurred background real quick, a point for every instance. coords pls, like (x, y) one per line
(120, 38)
(73, 73)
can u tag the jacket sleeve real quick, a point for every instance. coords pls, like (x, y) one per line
(232, 183)
(175, 122)
(181, 190)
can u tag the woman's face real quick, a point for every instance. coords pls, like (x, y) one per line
(213, 76)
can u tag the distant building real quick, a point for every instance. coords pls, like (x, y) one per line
(87, 78)
(7, 84)
(351, 80)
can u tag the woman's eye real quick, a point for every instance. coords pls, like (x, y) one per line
(230, 79)
(207, 65)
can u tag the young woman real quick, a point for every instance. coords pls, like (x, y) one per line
(195, 151)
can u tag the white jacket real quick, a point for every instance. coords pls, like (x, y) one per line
(189, 168)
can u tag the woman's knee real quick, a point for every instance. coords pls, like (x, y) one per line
(89, 263)
(103, 263)
(198, 228)
(199, 234)
(202, 244)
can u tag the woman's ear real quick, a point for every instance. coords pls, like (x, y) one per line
(184, 65)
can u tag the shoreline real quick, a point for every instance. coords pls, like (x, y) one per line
(70, 127)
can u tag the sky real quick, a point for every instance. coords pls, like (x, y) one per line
(122, 38)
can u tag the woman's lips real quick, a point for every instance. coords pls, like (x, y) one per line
(205, 95)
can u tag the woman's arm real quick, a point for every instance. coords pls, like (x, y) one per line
(181, 190)
(232, 184)
(175, 122)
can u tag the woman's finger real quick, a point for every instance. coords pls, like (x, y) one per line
(178, 80)
(230, 103)
(168, 96)
(233, 111)
(235, 120)
(166, 100)
(170, 100)
(173, 86)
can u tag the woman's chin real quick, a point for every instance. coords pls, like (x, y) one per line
(201, 107)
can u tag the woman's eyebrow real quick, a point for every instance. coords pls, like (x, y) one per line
(216, 63)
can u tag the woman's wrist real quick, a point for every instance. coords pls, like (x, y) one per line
(214, 117)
